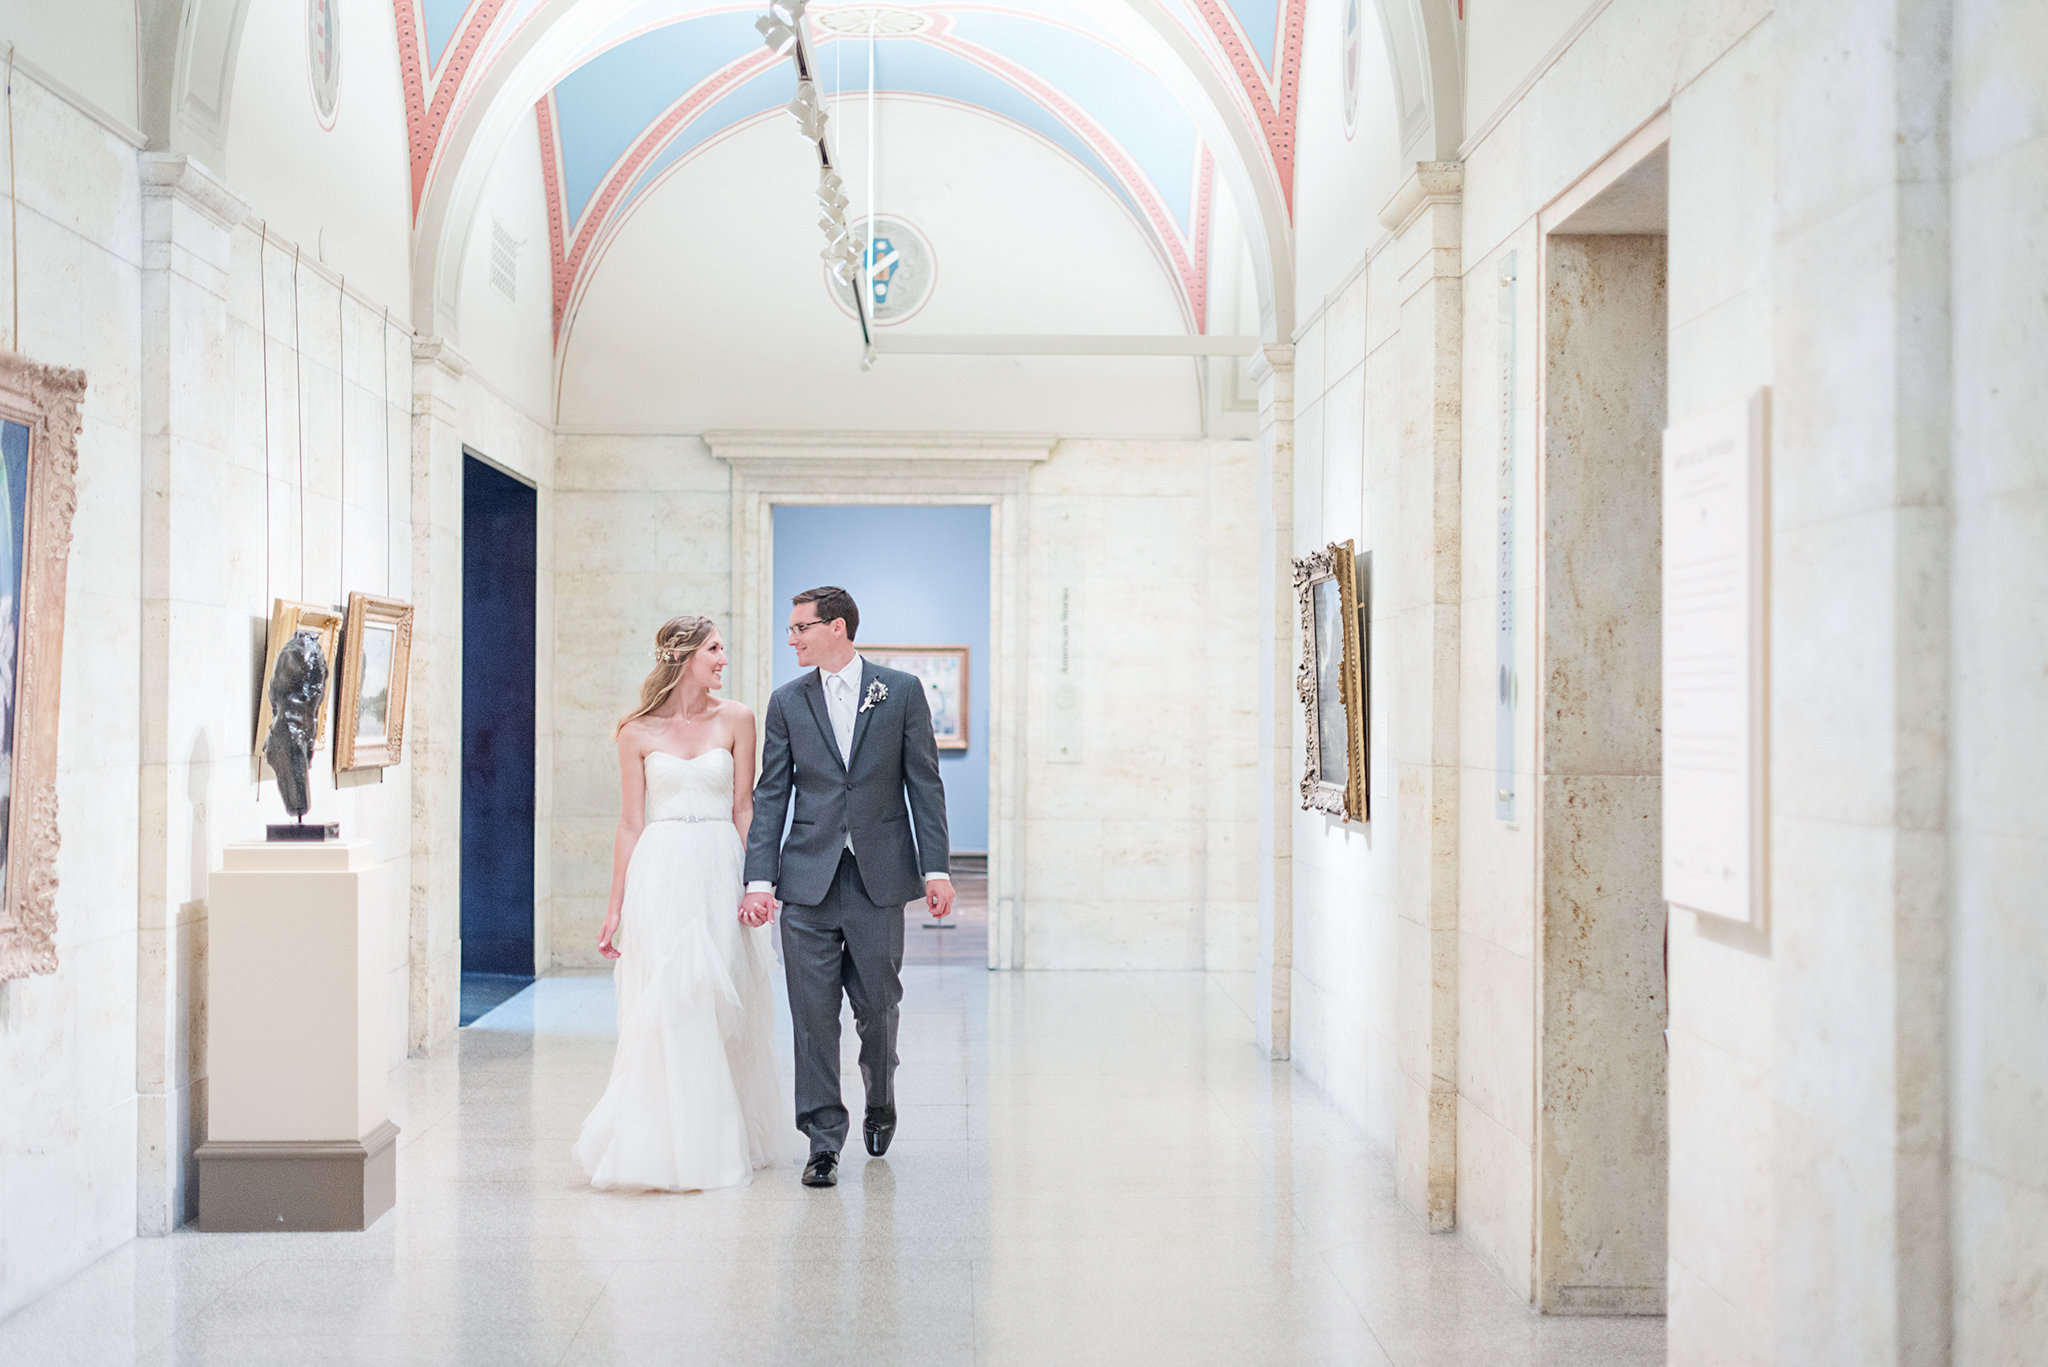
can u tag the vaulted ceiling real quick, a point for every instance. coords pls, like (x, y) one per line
(1158, 100)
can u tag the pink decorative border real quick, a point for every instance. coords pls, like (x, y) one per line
(1273, 97)
(424, 119)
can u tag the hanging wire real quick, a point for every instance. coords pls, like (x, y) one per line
(299, 388)
(384, 354)
(263, 348)
(341, 430)
(13, 212)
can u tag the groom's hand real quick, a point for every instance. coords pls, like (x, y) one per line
(758, 908)
(938, 898)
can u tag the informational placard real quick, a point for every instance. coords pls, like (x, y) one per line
(1504, 558)
(1715, 611)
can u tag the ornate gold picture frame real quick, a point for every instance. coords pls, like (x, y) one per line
(1331, 682)
(41, 494)
(287, 617)
(376, 664)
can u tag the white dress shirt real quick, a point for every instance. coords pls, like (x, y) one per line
(842, 704)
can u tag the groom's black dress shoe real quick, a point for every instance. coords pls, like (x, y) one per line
(878, 1129)
(822, 1170)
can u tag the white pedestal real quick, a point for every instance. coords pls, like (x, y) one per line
(299, 1132)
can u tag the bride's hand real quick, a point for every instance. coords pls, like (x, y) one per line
(605, 933)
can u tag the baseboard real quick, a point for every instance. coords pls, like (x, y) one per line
(253, 1186)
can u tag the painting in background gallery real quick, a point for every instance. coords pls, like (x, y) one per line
(943, 672)
(13, 528)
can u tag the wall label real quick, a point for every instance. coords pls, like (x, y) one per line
(1716, 619)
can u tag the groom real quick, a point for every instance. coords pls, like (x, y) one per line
(852, 741)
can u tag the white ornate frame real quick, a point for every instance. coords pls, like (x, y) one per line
(1348, 799)
(45, 399)
(924, 468)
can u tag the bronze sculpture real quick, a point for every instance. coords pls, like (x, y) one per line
(298, 685)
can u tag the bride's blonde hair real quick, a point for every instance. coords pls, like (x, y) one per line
(675, 643)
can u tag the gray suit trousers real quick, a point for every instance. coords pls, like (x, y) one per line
(844, 943)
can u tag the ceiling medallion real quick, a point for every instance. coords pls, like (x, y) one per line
(323, 57)
(883, 21)
(904, 271)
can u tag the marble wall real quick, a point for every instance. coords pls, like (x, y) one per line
(1136, 839)
(1998, 630)
(68, 1040)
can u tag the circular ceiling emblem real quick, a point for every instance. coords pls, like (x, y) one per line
(323, 57)
(880, 20)
(903, 272)
(1351, 22)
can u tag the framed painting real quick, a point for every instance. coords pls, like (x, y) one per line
(287, 617)
(1330, 682)
(376, 663)
(943, 670)
(39, 489)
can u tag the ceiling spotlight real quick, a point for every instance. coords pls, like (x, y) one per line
(778, 36)
(832, 192)
(810, 115)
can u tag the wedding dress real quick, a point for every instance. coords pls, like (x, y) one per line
(693, 1100)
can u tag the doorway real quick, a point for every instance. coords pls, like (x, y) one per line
(1602, 1134)
(921, 575)
(500, 549)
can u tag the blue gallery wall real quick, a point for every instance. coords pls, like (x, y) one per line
(921, 577)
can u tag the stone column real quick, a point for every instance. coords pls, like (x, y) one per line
(1272, 369)
(190, 590)
(434, 917)
(1423, 586)
(1860, 677)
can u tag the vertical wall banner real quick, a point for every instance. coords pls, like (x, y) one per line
(1716, 586)
(1504, 573)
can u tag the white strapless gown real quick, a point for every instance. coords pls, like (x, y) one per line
(693, 1100)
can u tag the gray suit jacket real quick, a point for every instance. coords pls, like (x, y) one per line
(894, 756)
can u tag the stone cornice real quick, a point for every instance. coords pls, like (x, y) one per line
(1431, 183)
(924, 452)
(1268, 361)
(439, 352)
(173, 175)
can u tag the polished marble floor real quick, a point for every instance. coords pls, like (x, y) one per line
(1091, 1168)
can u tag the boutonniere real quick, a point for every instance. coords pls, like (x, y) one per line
(876, 692)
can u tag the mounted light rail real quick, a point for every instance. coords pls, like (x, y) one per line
(782, 31)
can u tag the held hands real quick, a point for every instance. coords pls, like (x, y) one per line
(605, 934)
(938, 898)
(758, 908)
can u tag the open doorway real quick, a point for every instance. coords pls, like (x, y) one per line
(1602, 1133)
(500, 548)
(920, 574)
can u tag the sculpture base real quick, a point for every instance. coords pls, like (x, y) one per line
(297, 1185)
(299, 830)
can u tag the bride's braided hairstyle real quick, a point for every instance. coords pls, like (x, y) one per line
(675, 643)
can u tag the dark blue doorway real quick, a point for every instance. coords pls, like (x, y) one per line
(500, 548)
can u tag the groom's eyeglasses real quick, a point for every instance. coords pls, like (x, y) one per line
(799, 628)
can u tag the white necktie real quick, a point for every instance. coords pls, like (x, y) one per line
(842, 717)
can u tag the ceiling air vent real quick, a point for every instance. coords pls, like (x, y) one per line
(504, 262)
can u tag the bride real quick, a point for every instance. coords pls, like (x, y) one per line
(693, 1099)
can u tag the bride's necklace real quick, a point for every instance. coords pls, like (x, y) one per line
(709, 703)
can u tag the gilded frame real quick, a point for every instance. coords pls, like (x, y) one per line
(1323, 788)
(365, 611)
(44, 399)
(287, 617)
(952, 739)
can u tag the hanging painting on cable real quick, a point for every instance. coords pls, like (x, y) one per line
(38, 493)
(376, 661)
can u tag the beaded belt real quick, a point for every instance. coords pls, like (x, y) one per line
(688, 820)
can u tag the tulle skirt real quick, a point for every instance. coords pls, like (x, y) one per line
(693, 1101)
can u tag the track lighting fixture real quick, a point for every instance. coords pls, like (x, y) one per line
(810, 115)
(782, 31)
